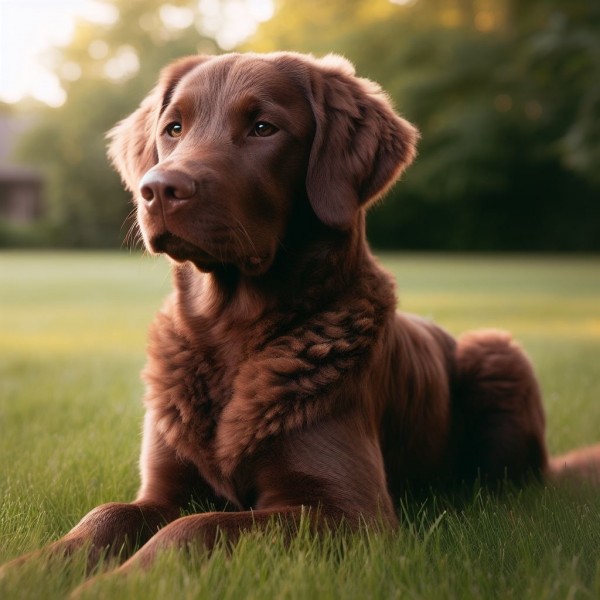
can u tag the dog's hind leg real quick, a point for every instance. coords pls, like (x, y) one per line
(499, 418)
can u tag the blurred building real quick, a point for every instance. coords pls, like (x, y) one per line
(21, 188)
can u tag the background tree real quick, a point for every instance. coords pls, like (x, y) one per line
(506, 94)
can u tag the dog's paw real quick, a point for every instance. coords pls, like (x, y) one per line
(18, 564)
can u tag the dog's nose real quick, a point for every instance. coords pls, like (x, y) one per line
(166, 186)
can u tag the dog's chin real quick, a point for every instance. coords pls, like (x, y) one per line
(181, 251)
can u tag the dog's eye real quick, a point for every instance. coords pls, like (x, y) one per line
(174, 129)
(264, 129)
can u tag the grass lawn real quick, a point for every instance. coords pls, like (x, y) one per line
(72, 337)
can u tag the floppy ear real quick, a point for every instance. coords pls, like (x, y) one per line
(360, 146)
(132, 148)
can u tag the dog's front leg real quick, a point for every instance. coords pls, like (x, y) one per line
(203, 531)
(117, 529)
(113, 529)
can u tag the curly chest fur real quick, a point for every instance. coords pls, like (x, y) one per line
(188, 385)
(216, 404)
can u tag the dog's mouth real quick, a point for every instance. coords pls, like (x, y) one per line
(181, 250)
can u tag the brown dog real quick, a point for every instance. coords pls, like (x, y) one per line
(279, 374)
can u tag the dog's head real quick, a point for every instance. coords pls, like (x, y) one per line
(222, 148)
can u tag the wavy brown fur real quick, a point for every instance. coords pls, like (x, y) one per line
(279, 374)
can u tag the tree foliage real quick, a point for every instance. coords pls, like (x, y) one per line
(506, 94)
(507, 97)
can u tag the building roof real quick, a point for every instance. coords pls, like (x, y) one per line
(11, 129)
(19, 174)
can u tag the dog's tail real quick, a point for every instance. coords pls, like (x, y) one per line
(577, 466)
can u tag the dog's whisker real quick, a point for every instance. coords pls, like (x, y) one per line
(240, 228)
(134, 237)
(129, 240)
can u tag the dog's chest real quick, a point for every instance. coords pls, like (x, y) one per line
(219, 393)
(188, 386)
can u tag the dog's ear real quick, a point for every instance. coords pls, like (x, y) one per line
(361, 146)
(132, 148)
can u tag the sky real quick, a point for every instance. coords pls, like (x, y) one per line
(29, 28)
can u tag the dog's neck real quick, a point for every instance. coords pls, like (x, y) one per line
(307, 275)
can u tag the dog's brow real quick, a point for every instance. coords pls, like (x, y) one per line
(253, 105)
(247, 104)
(168, 96)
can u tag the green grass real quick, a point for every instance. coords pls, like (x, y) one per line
(72, 337)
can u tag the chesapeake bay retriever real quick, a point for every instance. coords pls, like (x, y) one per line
(280, 375)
